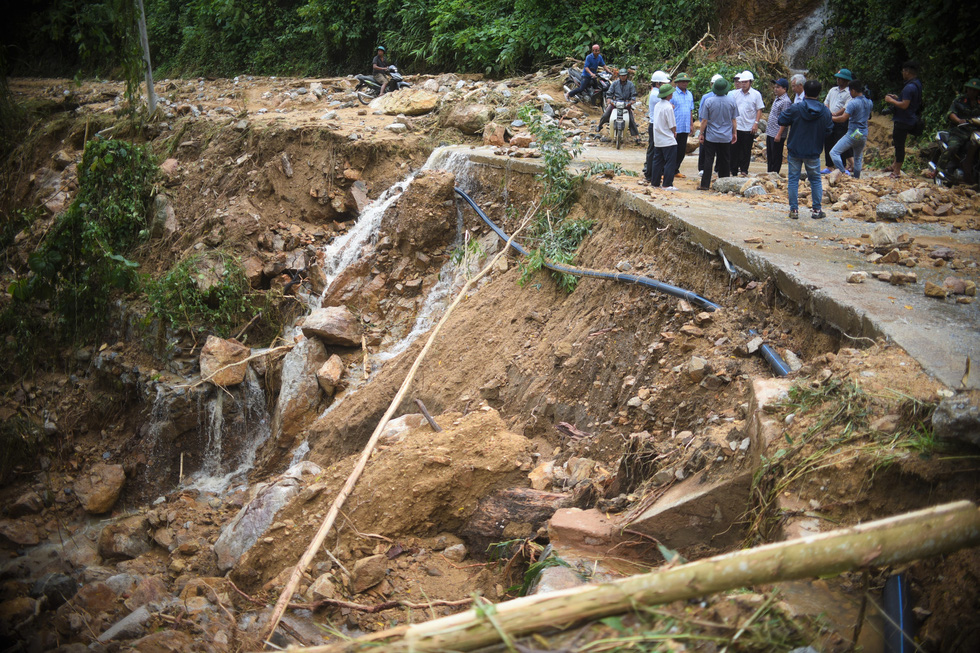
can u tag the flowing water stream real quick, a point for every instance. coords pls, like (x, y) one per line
(233, 423)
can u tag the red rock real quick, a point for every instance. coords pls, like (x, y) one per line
(18, 532)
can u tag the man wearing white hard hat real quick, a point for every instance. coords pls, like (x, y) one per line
(749, 104)
(657, 80)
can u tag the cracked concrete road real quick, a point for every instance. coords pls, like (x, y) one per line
(808, 266)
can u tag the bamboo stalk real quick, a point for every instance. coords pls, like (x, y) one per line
(328, 522)
(687, 54)
(895, 540)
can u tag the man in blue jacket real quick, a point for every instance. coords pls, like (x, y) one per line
(810, 124)
(593, 62)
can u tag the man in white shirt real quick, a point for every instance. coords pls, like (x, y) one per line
(837, 98)
(665, 140)
(796, 83)
(749, 105)
(658, 79)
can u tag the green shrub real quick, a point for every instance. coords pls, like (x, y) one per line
(205, 292)
(81, 261)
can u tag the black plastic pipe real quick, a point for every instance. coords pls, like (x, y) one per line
(665, 288)
(776, 362)
(898, 635)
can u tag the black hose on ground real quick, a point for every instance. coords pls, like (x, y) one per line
(898, 625)
(776, 362)
(665, 288)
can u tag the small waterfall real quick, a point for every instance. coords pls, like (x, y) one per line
(804, 38)
(231, 444)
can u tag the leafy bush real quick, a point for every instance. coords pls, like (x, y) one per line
(202, 293)
(81, 260)
(556, 238)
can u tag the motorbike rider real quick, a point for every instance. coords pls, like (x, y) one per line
(593, 62)
(379, 68)
(625, 91)
(961, 145)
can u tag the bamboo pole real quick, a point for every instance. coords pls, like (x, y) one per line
(895, 540)
(328, 522)
(151, 96)
(688, 53)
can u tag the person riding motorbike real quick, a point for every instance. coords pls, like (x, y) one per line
(621, 90)
(379, 68)
(593, 62)
(962, 148)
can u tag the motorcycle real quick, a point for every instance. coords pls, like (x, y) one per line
(619, 122)
(950, 172)
(596, 94)
(368, 89)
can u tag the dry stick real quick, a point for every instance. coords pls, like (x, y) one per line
(205, 379)
(687, 54)
(367, 367)
(428, 417)
(380, 607)
(328, 522)
(895, 540)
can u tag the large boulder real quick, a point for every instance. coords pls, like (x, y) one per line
(99, 487)
(958, 418)
(163, 222)
(468, 118)
(299, 396)
(334, 325)
(728, 184)
(126, 538)
(258, 514)
(495, 134)
(409, 101)
(222, 361)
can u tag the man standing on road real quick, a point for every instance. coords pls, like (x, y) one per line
(855, 116)
(810, 124)
(836, 100)
(774, 132)
(665, 140)
(683, 103)
(717, 132)
(657, 80)
(749, 104)
(906, 113)
(710, 93)
(593, 62)
(379, 68)
(622, 90)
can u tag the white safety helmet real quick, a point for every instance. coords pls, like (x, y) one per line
(659, 76)
(746, 76)
(715, 78)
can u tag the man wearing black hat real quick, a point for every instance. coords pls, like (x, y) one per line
(961, 145)
(774, 131)
(379, 68)
(621, 90)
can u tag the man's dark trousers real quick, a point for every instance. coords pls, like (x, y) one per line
(721, 151)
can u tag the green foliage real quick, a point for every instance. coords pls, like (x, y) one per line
(81, 261)
(599, 167)
(555, 237)
(205, 292)
(873, 37)
(229, 37)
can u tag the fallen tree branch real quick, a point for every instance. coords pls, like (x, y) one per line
(380, 607)
(895, 540)
(688, 53)
(205, 379)
(331, 517)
